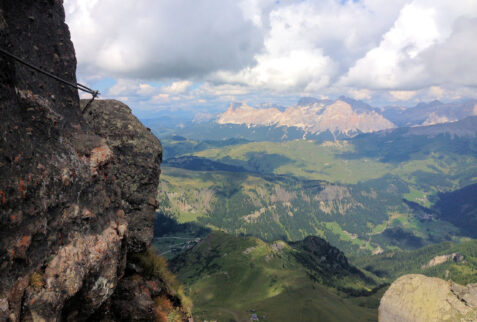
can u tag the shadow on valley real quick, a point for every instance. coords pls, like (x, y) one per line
(172, 238)
(459, 207)
(201, 164)
(256, 162)
(456, 261)
(259, 162)
(398, 236)
(164, 226)
(177, 145)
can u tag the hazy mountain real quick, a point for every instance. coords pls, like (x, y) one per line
(305, 101)
(359, 106)
(346, 115)
(430, 113)
(272, 105)
(317, 117)
(466, 127)
(400, 144)
(311, 118)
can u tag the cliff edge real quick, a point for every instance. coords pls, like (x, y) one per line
(77, 193)
(138, 156)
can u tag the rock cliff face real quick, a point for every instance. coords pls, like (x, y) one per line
(419, 298)
(76, 194)
(338, 117)
(138, 156)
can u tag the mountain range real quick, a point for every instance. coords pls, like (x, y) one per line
(298, 213)
(315, 118)
(395, 201)
(346, 116)
(310, 118)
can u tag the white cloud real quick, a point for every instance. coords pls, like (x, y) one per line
(436, 92)
(145, 89)
(297, 70)
(399, 50)
(167, 38)
(161, 97)
(417, 48)
(221, 89)
(362, 94)
(309, 43)
(390, 65)
(403, 95)
(177, 87)
(124, 87)
(453, 60)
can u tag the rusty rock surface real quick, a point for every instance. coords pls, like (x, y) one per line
(139, 154)
(419, 298)
(63, 220)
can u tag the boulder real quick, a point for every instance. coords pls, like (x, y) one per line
(419, 298)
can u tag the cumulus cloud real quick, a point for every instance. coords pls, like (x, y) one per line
(360, 94)
(309, 43)
(177, 87)
(161, 97)
(401, 50)
(403, 95)
(391, 64)
(145, 89)
(453, 60)
(167, 38)
(426, 37)
(221, 89)
(125, 87)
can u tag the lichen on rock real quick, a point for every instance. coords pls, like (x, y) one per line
(419, 298)
(138, 156)
(77, 195)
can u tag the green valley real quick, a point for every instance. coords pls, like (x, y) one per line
(394, 202)
(359, 199)
(235, 278)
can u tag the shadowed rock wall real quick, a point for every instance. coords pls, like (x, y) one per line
(139, 154)
(66, 193)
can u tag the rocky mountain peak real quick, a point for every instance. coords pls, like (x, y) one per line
(315, 117)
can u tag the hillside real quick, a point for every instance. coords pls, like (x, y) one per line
(449, 261)
(396, 202)
(77, 188)
(427, 113)
(367, 194)
(243, 276)
(238, 277)
(280, 207)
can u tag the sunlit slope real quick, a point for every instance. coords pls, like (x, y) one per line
(234, 277)
(367, 217)
(454, 261)
(340, 162)
(387, 190)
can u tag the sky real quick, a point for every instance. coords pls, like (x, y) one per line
(198, 56)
